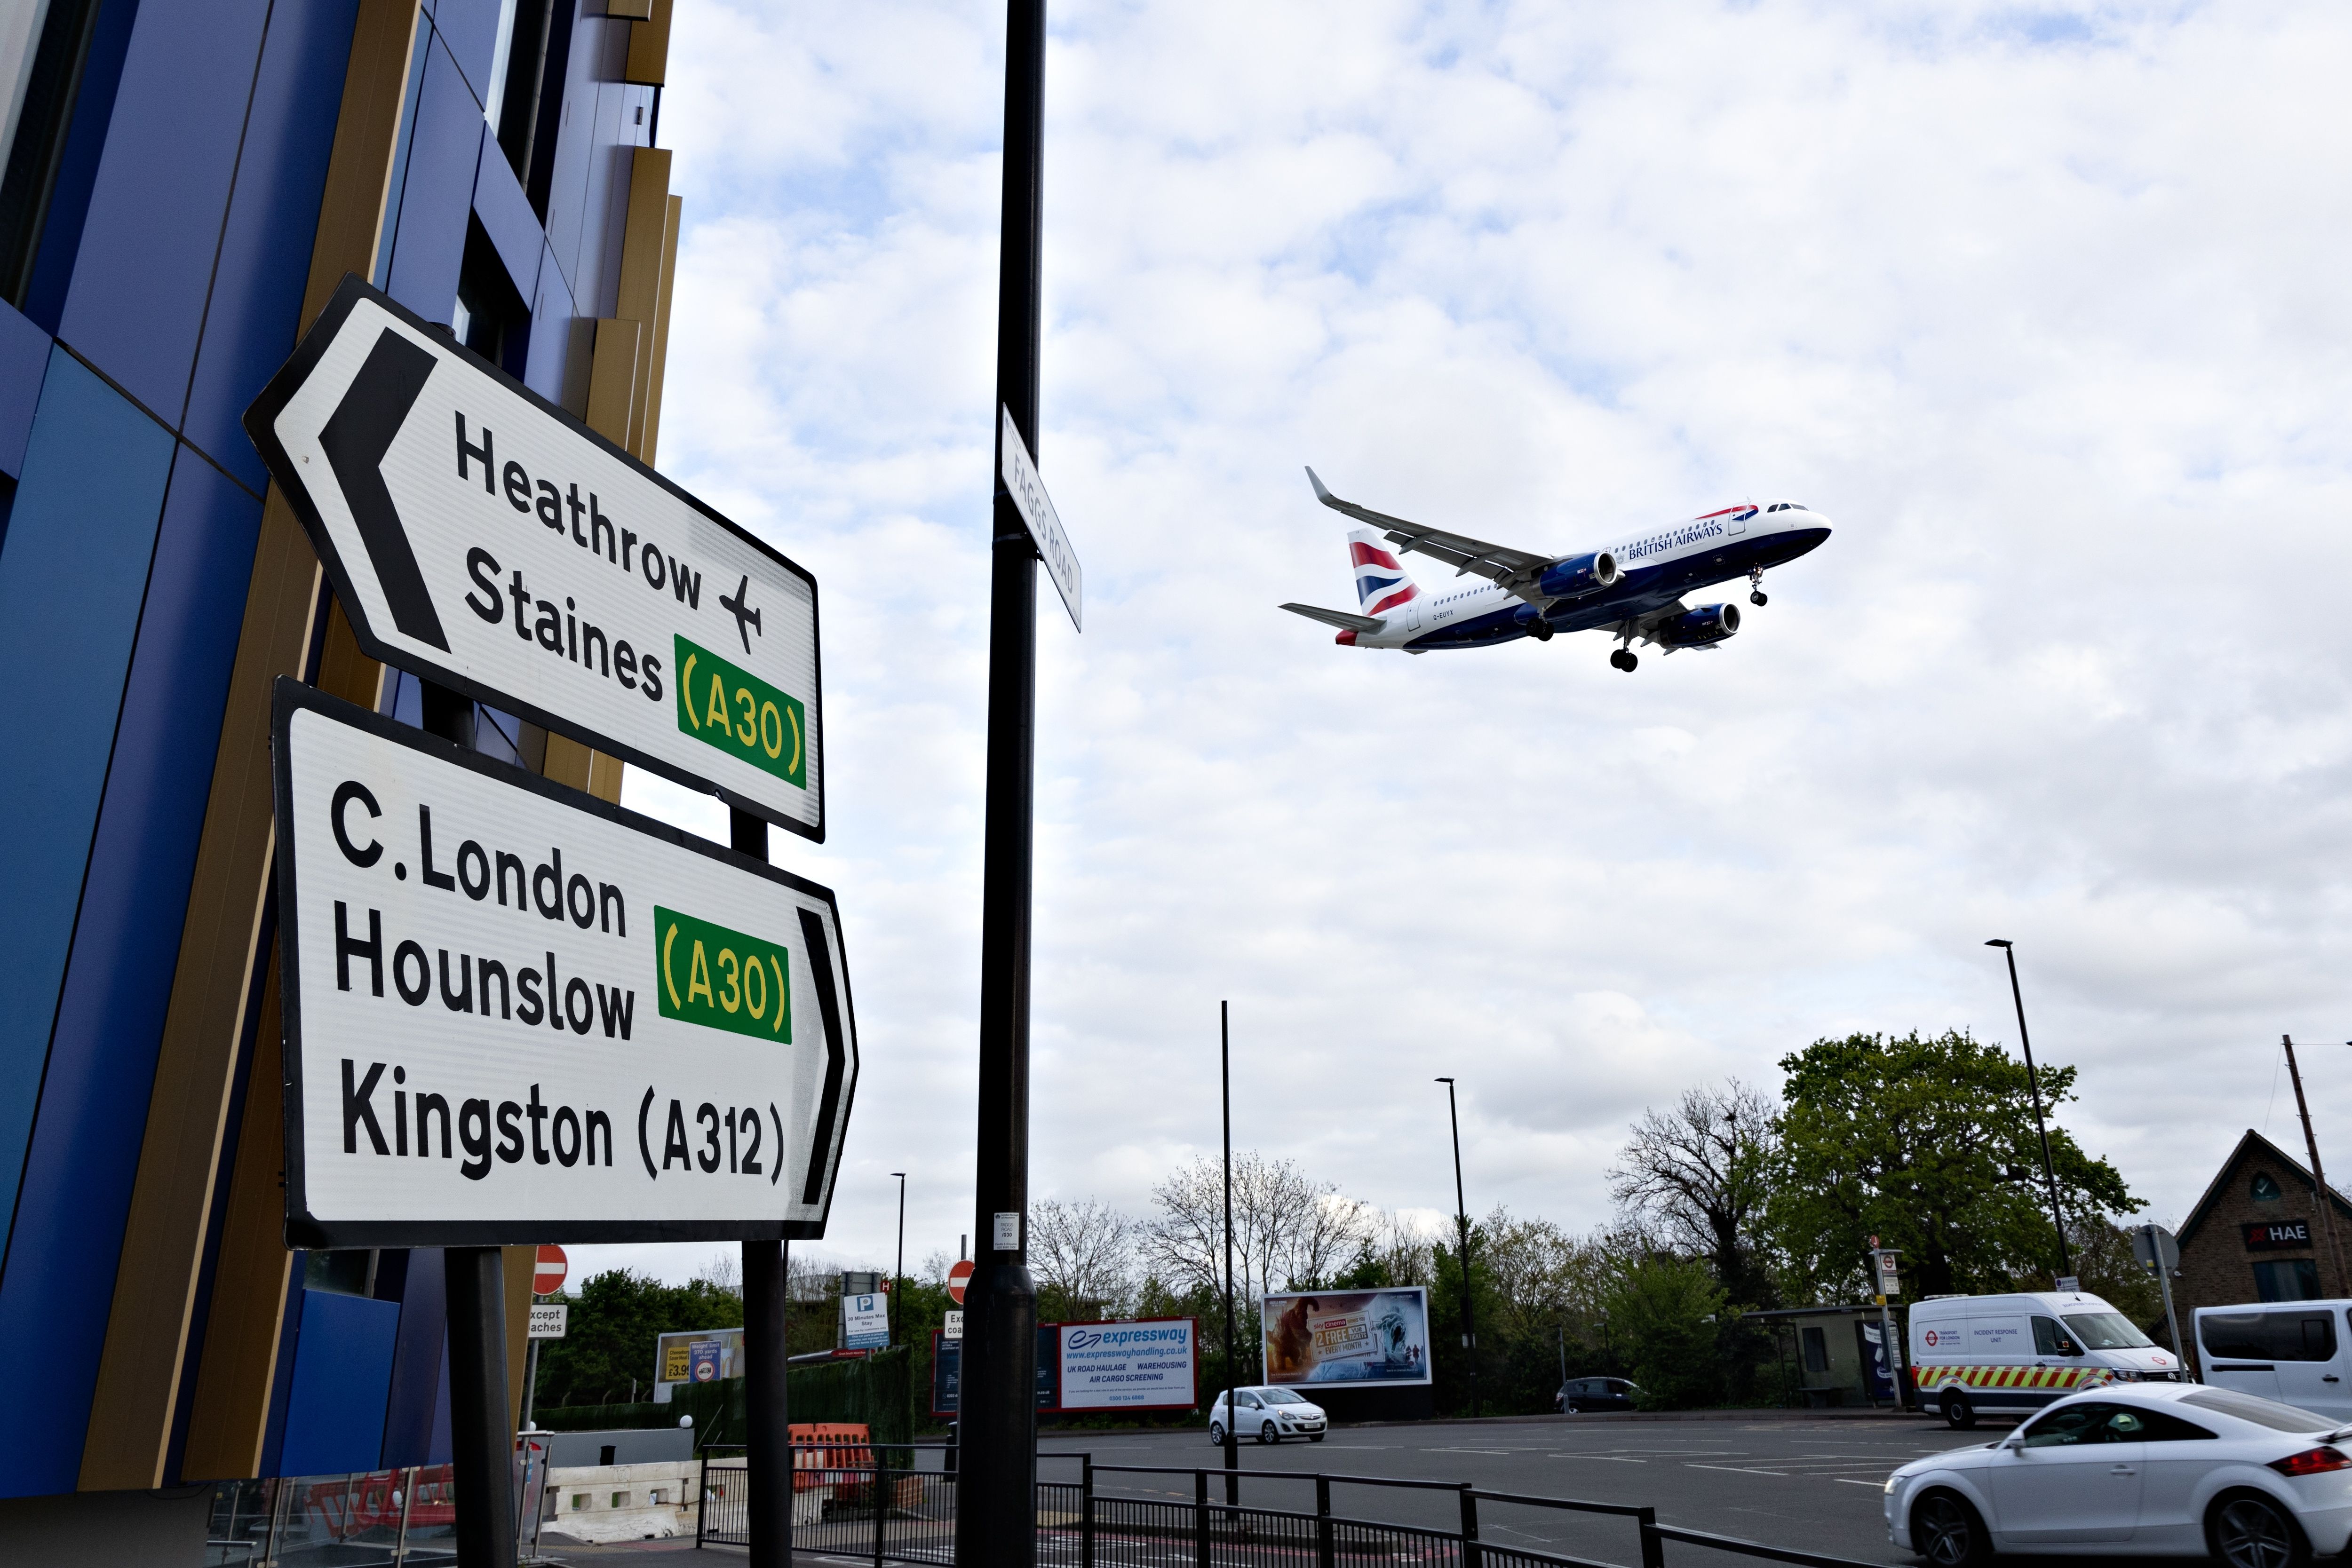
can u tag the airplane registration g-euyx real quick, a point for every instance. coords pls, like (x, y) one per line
(1632, 592)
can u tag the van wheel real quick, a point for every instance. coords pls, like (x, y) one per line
(1947, 1531)
(1958, 1414)
(2246, 1530)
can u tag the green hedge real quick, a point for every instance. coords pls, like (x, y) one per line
(874, 1389)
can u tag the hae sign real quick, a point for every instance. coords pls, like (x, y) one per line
(1151, 1363)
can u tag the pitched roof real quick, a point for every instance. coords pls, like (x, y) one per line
(2253, 1143)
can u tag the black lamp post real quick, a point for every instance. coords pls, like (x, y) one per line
(1232, 1348)
(1462, 1222)
(2033, 1086)
(899, 1279)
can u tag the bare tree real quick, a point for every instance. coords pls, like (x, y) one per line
(1287, 1227)
(723, 1270)
(1695, 1179)
(1085, 1251)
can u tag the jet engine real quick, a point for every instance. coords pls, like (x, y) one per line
(1700, 628)
(1578, 575)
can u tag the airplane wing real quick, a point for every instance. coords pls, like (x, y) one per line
(1339, 617)
(1513, 568)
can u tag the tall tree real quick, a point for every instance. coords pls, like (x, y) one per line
(1695, 1179)
(1083, 1253)
(1930, 1144)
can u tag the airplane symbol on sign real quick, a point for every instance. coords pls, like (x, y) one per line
(742, 614)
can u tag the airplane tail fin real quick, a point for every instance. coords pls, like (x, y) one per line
(1382, 582)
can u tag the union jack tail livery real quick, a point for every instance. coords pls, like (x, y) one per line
(1381, 583)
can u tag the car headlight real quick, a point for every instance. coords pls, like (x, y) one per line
(1890, 1485)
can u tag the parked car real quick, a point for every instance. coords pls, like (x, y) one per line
(1269, 1414)
(2158, 1468)
(1594, 1394)
(1974, 1354)
(2295, 1352)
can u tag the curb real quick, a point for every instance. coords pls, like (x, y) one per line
(1769, 1413)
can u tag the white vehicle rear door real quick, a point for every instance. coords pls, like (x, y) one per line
(2306, 1349)
(2237, 1351)
(2074, 1477)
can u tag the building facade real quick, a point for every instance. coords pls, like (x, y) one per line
(184, 187)
(2256, 1235)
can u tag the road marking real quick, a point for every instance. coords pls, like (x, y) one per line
(1742, 1469)
(1612, 1459)
(1505, 1453)
(1849, 1480)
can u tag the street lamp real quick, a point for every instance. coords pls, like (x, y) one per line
(1462, 1221)
(898, 1280)
(1225, 1089)
(2033, 1086)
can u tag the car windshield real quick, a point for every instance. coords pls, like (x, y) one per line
(1279, 1396)
(2268, 1413)
(2108, 1330)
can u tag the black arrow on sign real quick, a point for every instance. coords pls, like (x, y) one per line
(355, 440)
(828, 1007)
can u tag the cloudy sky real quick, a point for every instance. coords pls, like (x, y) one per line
(2043, 306)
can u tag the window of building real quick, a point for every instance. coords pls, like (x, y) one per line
(489, 316)
(1817, 1349)
(2290, 1280)
(351, 1272)
(2266, 1188)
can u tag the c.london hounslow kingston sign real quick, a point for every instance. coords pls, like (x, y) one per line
(478, 534)
(516, 1013)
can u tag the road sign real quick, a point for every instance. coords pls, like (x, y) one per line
(954, 1329)
(549, 1319)
(1036, 508)
(479, 535)
(552, 1270)
(703, 1359)
(2068, 1284)
(859, 1282)
(959, 1279)
(514, 1011)
(2156, 1247)
(1888, 1283)
(865, 1320)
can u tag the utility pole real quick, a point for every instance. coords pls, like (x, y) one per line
(2033, 1087)
(899, 1279)
(2322, 1208)
(1462, 1220)
(768, 1432)
(996, 1515)
(1232, 1345)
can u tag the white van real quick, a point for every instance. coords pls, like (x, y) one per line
(1974, 1355)
(2295, 1352)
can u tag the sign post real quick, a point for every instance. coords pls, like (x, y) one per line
(1881, 1263)
(2159, 1251)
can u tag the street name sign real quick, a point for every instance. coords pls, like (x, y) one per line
(516, 1013)
(1027, 489)
(479, 535)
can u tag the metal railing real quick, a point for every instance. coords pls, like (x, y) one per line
(894, 1509)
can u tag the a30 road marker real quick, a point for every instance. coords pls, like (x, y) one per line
(479, 535)
(514, 1013)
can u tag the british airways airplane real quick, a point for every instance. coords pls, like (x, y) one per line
(1633, 591)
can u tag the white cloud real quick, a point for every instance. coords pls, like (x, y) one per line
(2044, 308)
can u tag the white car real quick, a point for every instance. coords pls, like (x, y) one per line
(1269, 1414)
(2148, 1469)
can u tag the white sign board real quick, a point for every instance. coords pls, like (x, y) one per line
(514, 1013)
(954, 1329)
(549, 1321)
(1036, 508)
(479, 535)
(864, 1321)
(1129, 1365)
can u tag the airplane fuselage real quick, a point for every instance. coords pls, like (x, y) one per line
(1654, 569)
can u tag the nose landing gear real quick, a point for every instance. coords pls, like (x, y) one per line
(1756, 587)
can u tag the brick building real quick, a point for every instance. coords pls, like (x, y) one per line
(2254, 1235)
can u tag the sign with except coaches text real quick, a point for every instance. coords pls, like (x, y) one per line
(515, 1013)
(479, 535)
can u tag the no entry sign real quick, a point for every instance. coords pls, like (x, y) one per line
(513, 1011)
(479, 535)
(553, 1268)
(959, 1281)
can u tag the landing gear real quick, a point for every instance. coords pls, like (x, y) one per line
(1756, 587)
(1758, 598)
(1623, 659)
(1540, 629)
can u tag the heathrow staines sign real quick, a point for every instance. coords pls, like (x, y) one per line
(479, 535)
(514, 1013)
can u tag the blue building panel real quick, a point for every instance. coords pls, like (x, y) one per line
(470, 30)
(93, 113)
(136, 307)
(73, 575)
(546, 366)
(23, 360)
(343, 1367)
(506, 218)
(416, 1378)
(581, 155)
(273, 220)
(429, 246)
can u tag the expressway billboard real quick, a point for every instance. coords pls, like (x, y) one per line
(1372, 1338)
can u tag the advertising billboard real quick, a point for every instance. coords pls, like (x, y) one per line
(1150, 1364)
(1370, 1337)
